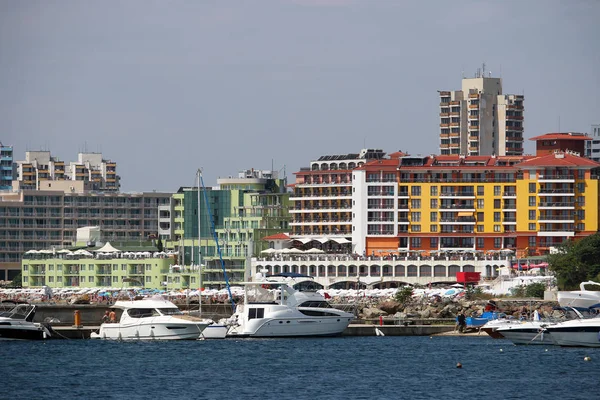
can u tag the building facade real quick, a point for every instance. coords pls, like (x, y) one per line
(46, 218)
(6, 167)
(97, 173)
(474, 203)
(480, 120)
(592, 149)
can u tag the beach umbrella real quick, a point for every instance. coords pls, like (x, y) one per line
(269, 251)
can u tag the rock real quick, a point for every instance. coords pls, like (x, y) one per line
(373, 312)
(390, 307)
(426, 313)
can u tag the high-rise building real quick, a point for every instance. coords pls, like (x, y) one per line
(97, 173)
(480, 120)
(6, 167)
(592, 149)
(322, 198)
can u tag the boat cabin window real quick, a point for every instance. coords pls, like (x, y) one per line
(170, 311)
(308, 286)
(315, 304)
(142, 312)
(317, 313)
(256, 313)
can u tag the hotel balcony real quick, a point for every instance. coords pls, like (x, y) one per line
(546, 218)
(551, 231)
(509, 205)
(457, 194)
(457, 207)
(569, 178)
(474, 127)
(509, 221)
(509, 195)
(460, 220)
(556, 192)
(379, 193)
(556, 205)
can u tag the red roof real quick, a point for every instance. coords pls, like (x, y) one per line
(559, 160)
(277, 236)
(562, 136)
(398, 154)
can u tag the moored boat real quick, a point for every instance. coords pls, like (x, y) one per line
(286, 305)
(151, 319)
(580, 298)
(17, 323)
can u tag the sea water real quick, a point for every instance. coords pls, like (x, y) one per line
(318, 368)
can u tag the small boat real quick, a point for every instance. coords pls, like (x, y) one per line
(526, 332)
(149, 319)
(17, 323)
(478, 322)
(286, 305)
(491, 327)
(580, 298)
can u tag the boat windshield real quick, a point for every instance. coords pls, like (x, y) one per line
(315, 304)
(170, 311)
(308, 286)
(20, 311)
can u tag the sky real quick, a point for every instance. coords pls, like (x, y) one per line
(166, 87)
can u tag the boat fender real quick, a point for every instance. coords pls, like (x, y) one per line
(137, 334)
(120, 337)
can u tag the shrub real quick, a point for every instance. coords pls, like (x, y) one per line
(404, 295)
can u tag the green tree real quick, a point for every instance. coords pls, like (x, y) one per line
(535, 290)
(576, 262)
(159, 245)
(404, 295)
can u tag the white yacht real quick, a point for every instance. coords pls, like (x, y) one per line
(580, 298)
(580, 333)
(17, 323)
(526, 332)
(153, 318)
(301, 311)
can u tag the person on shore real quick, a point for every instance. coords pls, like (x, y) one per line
(113, 317)
(461, 322)
(106, 317)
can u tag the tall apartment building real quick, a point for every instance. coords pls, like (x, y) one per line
(6, 167)
(322, 198)
(97, 173)
(244, 209)
(475, 203)
(592, 149)
(49, 217)
(480, 120)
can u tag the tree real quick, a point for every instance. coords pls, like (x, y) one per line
(159, 245)
(404, 295)
(576, 262)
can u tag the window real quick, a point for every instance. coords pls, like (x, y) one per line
(580, 227)
(415, 203)
(496, 228)
(83, 267)
(115, 279)
(497, 203)
(415, 228)
(433, 228)
(480, 228)
(497, 242)
(115, 267)
(497, 191)
(433, 204)
(480, 216)
(433, 190)
(497, 217)
(581, 201)
(531, 201)
(532, 215)
(532, 227)
(415, 242)
(580, 214)
(90, 279)
(51, 279)
(532, 188)
(415, 190)
(91, 267)
(415, 217)
(433, 243)
(59, 279)
(480, 203)
(480, 190)
(51, 267)
(25, 267)
(59, 267)
(480, 243)
(433, 216)
(532, 242)
(123, 267)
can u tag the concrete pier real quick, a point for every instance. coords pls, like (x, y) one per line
(397, 330)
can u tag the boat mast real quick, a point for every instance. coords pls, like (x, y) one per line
(199, 248)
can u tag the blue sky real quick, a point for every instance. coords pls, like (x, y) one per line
(163, 88)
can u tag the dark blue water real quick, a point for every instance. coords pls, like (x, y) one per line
(326, 368)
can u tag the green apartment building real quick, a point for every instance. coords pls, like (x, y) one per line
(244, 210)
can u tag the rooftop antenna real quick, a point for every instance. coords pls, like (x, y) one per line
(483, 70)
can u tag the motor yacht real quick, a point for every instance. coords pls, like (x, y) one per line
(17, 323)
(148, 319)
(580, 333)
(580, 298)
(286, 305)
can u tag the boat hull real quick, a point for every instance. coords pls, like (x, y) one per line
(11, 332)
(576, 336)
(150, 331)
(528, 337)
(214, 332)
(293, 327)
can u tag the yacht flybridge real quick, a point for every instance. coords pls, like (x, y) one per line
(153, 318)
(286, 305)
(17, 323)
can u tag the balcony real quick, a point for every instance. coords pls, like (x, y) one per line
(553, 219)
(509, 221)
(556, 205)
(556, 192)
(509, 195)
(545, 231)
(570, 178)
(459, 194)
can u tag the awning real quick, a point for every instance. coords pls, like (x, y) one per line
(341, 240)
(465, 214)
(322, 239)
(304, 240)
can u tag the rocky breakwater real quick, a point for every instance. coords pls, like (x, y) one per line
(429, 312)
